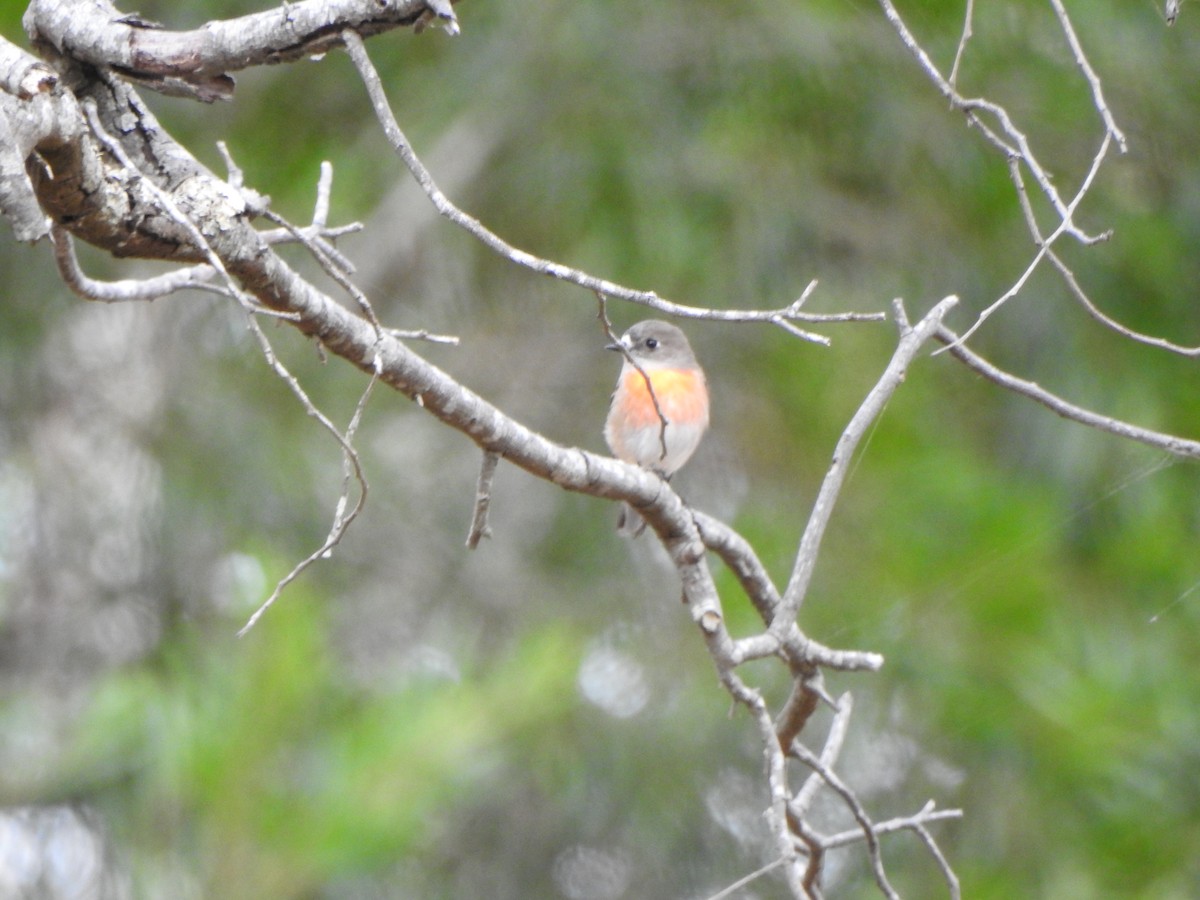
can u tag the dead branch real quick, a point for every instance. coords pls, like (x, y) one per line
(197, 63)
(480, 528)
(598, 286)
(1177, 446)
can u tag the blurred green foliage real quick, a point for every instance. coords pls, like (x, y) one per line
(413, 720)
(274, 774)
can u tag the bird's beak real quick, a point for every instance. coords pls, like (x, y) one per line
(617, 345)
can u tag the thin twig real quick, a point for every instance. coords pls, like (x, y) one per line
(331, 261)
(352, 467)
(1111, 323)
(874, 855)
(1044, 244)
(1016, 144)
(967, 33)
(233, 172)
(829, 755)
(335, 264)
(1093, 80)
(1017, 148)
(317, 234)
(324, 194)
(1076, 288)
(940, 858)
(421, 334)
(126, 289)
(925, 816)
(325, 235)
(483, 500)
(776, 771)
(351, 462)
(446, 208)
(752, 877)
(1170, 443)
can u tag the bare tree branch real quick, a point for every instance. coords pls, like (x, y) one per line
(127, 289)
(935, 851)
(352, 468)
(483, 500)
(1072, 282)
(968, 32)
(599, 286)
(1045, 244)
(911, 340)
(801, 651)
(33, 113)
(1015, 145)
(748, 879)
(22, 75)
(1110, 124)
(851, 800)
(1169, 443)
(1014, 142)
(829, 755)
(196, 63)
(926, 815)
(776, 770)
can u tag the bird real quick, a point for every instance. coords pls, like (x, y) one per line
(656, 426)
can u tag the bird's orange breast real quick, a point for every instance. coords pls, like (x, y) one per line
(681, 393)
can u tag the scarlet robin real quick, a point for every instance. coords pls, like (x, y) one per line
(655, 425)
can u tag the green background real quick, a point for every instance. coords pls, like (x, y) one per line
(538, 718)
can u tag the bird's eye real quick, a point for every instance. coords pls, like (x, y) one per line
(651, 343)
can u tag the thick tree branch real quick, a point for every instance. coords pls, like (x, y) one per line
(196, 63)
(33, 113)
(23, 75)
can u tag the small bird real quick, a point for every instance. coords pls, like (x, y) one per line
(635, 430)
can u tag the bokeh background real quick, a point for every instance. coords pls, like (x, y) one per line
(538, 718)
